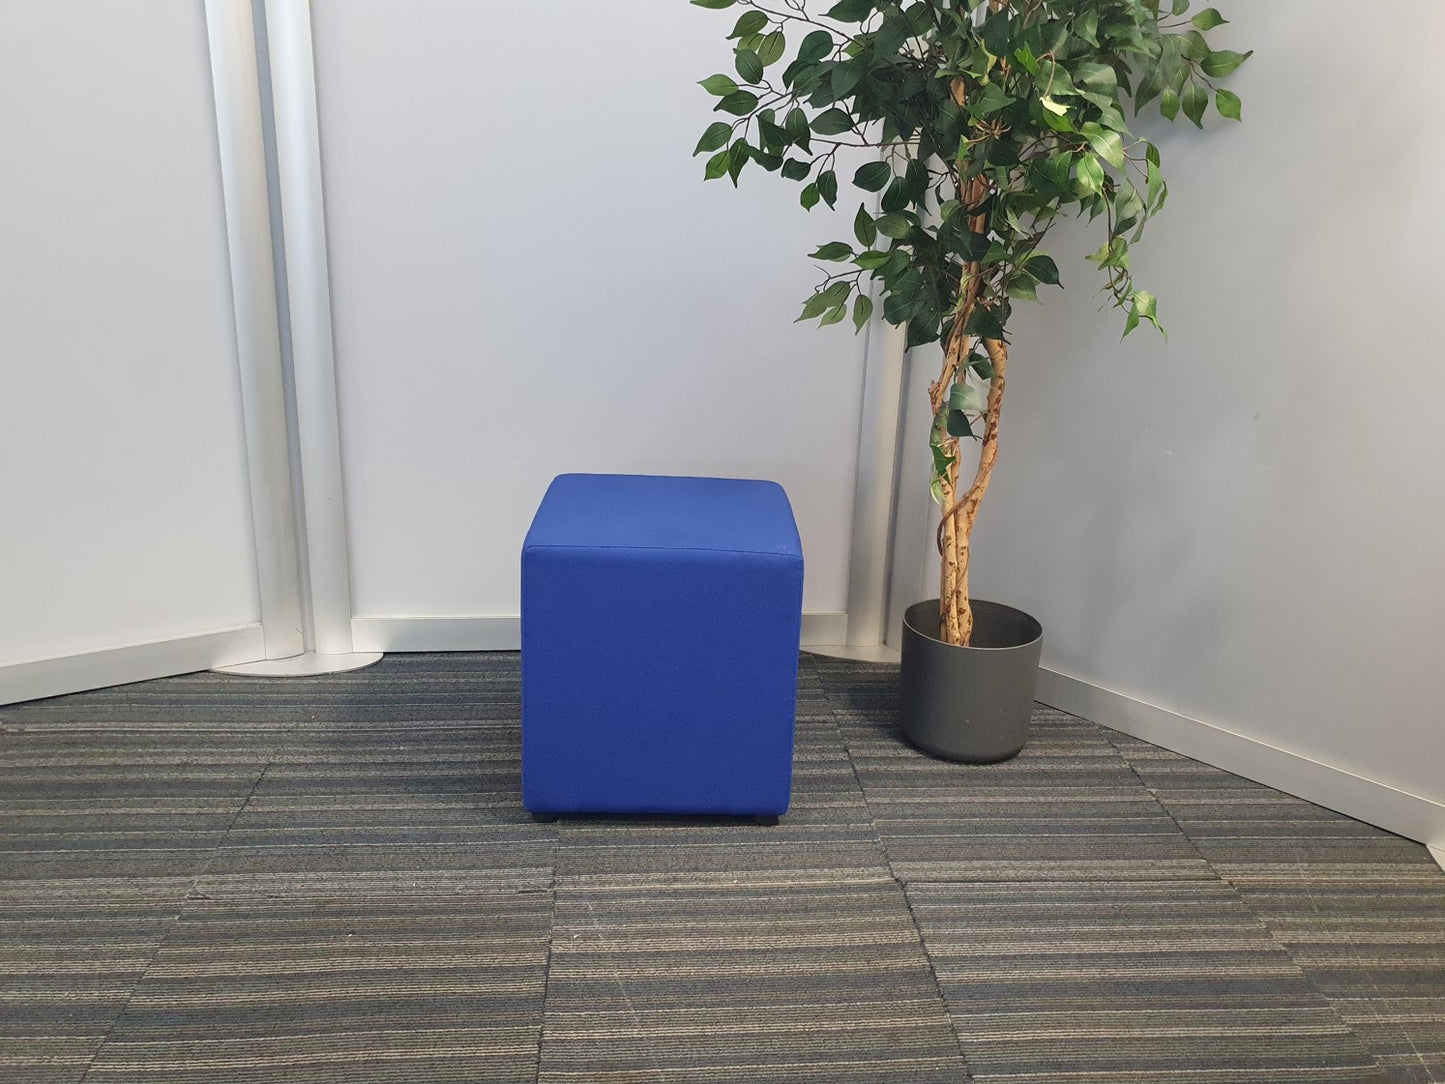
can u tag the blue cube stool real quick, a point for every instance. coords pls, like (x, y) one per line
(660, 630)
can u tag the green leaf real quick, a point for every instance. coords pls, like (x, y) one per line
(1112, 253)
(721, 85)
(1180, 7)
(1208, 19)
(1194, 101)
(809, 197)
(771, 50)
(833, 315)
(1228, 104)
(716, 136)
(715, 5)
(1107, 144)
(828, 187)
(863, 227)
(843, 78)
(1169, 104)
(1023, 288)
(833, 250)
(796, 125)
(833, 122)
(1128, 207)
(738, 155)
(1157, 187)
(1193, 45)
(991, 100)
(964, 396)
(739, 103)
(749, 66)
(795, 170)
(872, 260)
(1043, 269)
(1143, 306)
(850, 11)
(1091, 174)
(873, 177)
(815, 47)
(862, 311)
(1096, 76)
(775, 139)
(963, 400)
(1223, 62)
(1150, 87)
(749, 23)
(717, 165)
(984, 324)
(942, 461)
(896, 226)
(823, 300)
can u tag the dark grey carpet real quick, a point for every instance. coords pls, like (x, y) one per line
(214, 878)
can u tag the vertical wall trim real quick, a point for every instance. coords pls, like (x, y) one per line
(915, 516)
(258, 344)
(325, 561)
(879, 428)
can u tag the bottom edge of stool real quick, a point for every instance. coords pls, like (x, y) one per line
(758, 816)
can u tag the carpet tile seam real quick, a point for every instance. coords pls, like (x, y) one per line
(1242, 893)
(1192, 847)
(902, 888)
(172, 924)
(1247, 876)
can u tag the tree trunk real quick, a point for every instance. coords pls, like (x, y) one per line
(956, 527)
(955, 613)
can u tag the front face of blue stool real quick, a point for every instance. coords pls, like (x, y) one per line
(660, 629)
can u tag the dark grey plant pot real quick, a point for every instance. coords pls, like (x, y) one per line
(969, 703)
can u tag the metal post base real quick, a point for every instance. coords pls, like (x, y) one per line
(305, 665)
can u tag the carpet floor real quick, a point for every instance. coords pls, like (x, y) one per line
(214, 878)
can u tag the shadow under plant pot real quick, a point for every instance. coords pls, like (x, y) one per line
(969, 703)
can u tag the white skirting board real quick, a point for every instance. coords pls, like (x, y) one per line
(134, 662)
(1364, 799)
(505, 633)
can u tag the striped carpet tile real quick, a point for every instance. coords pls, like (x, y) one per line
(68, 963)
(416, 806)
(133, 804)
(410, 808)
(1068, 807)
(1054, 812)
(697, 950)
(826, 836)
(1105, 982)
(1361, 911)
(749, 981)
(362, 987)
(332, 878)
(1377, 952)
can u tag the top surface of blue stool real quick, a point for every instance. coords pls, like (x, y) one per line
(635, 511)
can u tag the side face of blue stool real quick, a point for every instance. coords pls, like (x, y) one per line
(660, 632)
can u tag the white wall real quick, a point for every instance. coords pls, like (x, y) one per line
(529, 277)
(1246, 526)
(124, 508)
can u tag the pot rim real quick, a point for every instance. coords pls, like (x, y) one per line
(912, 626)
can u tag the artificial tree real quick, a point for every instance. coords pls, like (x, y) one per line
(990, 120)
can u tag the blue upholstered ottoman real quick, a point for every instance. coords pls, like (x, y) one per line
(660, 629)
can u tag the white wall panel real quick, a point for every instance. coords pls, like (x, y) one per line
(529, 276)
(1245, 526)
(124, 509)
